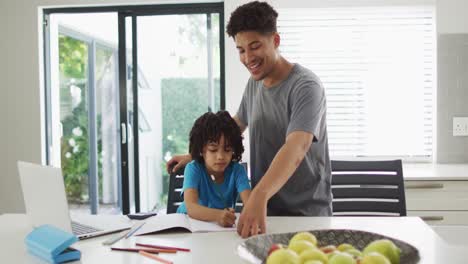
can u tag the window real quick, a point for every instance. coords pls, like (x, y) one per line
(377, 65)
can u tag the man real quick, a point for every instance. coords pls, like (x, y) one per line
(284, 107)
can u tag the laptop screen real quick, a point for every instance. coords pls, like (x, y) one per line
(44, 195)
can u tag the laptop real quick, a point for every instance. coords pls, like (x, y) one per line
(46, 203)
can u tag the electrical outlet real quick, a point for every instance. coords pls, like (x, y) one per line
(460, 126)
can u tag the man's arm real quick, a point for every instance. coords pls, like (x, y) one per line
(178, 161)
(241, 125)
(281, 168)
(285, 162)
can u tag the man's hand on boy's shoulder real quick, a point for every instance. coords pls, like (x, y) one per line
(177, 162)
(227, 217)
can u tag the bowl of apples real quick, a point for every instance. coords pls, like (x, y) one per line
(328, 246)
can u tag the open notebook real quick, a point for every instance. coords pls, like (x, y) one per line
(180, 221)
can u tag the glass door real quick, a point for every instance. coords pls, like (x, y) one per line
(124, 85)
(82, 102)
(178, 80)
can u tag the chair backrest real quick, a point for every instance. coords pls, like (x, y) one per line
(174, 197)
(368, 188)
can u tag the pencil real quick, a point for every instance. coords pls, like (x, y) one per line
(154, 250)
(162, 247)
(134, 230)
(148, 255)
(233, 211)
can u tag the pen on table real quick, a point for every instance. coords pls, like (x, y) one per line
(146, 254)
(115, 238)
(134, 230)
(162, 247)
(154, 251)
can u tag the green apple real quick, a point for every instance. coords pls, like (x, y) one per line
(313, 254)
(332, 253)
(304, 236)
(300, 245)
(374, 258)
(313, 262)
(345, 246)
(341, 258)
(283, 256)
(354, 252)
(386, 248)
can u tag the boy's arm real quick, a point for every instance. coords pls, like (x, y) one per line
(245, 196)
(225, 218)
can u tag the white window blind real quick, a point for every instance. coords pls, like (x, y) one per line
(377, 65)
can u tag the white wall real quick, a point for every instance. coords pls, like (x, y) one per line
(20, 100)
(5, 181)
(452, 16)
(236, 73)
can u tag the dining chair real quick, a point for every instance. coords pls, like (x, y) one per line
(368, 188)
(174, 197)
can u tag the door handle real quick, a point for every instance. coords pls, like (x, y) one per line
(432, 218)
(425, 186)
(123, 132)
(130, 133)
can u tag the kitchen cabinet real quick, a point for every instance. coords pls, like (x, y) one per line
(438, 193)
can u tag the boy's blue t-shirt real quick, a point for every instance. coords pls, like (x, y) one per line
(211, 194)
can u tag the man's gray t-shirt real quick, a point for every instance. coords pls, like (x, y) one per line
(271, 114)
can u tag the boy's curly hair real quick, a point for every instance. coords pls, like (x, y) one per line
(209, 127)
(254, 16)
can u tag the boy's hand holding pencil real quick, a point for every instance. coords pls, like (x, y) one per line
(227, 217)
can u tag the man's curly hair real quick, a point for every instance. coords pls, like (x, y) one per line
(254, 16)
(209, 127)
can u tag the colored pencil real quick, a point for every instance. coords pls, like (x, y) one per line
(148, 255)
(154, 250)
(162, 247)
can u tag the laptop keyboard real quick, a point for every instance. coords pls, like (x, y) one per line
(80, 229)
